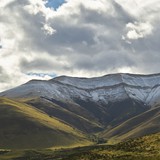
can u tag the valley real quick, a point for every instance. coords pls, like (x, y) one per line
(144, 148)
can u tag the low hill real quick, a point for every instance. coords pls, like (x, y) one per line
(23, 126)
(143, 124)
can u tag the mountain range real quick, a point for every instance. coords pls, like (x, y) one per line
(71, 111)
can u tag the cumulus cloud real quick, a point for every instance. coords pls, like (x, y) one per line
(80, 38)
(138, 30)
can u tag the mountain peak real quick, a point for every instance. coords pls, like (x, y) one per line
(110, 80)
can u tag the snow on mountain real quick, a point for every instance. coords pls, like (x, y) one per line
(36, 88)
(111, 80)
(91, 83)
(141, 80)
(119, 86)
(106, 89)
(154, 96)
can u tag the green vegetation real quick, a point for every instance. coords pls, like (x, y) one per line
(112, 123)
(140, 125)
(144, 148)
(29, 133)
(76, 116)
(24, 127)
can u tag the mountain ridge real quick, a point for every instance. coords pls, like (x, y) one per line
(98, 83)
(93, 104)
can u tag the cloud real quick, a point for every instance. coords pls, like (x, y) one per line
(45, 64)
(3, 75)
(48, 29)
(79, 38)
(138, 30)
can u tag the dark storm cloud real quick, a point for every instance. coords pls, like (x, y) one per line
(37, 64)
(105, 62)
(40, 64)
(94, 17)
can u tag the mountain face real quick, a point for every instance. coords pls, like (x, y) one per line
(93, 104)
(106, 89)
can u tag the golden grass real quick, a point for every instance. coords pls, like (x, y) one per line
(38, 115)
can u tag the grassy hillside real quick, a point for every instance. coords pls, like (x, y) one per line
(88, 116)
(143, 124)
(144, 148)
(66, 113)
(22, 126)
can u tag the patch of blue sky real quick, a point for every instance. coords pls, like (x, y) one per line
(55, 3)
(42, 75)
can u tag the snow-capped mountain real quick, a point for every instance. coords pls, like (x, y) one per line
(118, 86)
(92, 104)
(109, 88)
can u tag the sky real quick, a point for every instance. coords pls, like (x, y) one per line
(55, 4)
(41, 39)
